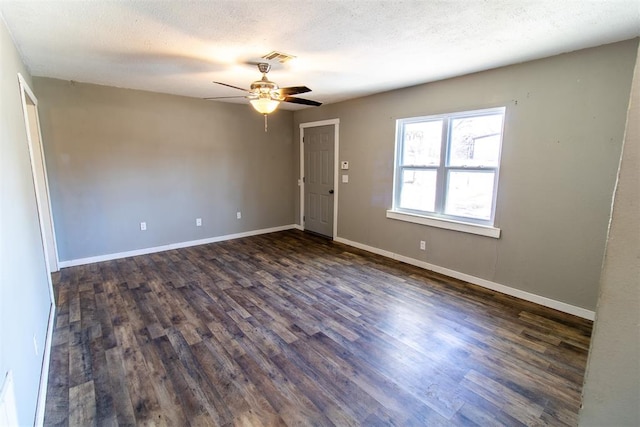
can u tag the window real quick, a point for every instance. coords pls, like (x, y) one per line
(447, 167)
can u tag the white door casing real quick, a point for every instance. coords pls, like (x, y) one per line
(39, 171)
(45, 220)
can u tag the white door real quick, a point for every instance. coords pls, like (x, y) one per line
(319, 156)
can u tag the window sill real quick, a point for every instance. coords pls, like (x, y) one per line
(482, 230)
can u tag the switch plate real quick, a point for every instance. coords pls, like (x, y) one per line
(423, 245)
(239, 215)
(344, 165)
(345, 179)
(143, 226)
(198, 222)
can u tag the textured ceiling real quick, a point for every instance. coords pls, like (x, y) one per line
(345, 49)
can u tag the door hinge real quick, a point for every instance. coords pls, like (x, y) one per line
(304, 218)
(304, 179)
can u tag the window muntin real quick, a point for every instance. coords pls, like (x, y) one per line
(447, 165)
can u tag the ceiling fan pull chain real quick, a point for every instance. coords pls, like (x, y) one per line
(265, 122)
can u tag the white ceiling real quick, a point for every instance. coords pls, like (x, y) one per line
(345, 49)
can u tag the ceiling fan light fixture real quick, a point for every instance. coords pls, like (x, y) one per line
(265, 96)
(265, 105)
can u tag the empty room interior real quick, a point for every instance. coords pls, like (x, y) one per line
(265, 213)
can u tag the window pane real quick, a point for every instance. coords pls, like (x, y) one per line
(475, 141)
(470, 194)
(421, 143)
(418, 190)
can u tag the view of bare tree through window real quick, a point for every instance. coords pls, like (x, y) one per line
(447, 165)
(475, 142)
(422, 144)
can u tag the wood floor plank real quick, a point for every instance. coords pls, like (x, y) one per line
(294, 408)
(119, 385)
(232, 376)
(105, 409)
(143, 399)
(207, 396)
(83, 412)
(57, 406)
(339, 415)
(289, 329)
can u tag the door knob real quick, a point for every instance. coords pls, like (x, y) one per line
(330, 191)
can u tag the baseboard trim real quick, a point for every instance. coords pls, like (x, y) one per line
(44, 374)
(145, 251)
(527, 296)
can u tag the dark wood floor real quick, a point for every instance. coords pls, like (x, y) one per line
(291, 329)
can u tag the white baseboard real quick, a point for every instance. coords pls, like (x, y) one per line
(527, 296)
(44, 374)
(145, 251)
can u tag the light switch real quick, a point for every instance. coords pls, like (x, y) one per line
(344, 165)
(345, 179)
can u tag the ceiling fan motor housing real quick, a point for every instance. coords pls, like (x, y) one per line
(265, 87)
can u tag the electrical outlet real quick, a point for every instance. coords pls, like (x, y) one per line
(198, 222)
(423, 245)
(239, 215)
(143, 226)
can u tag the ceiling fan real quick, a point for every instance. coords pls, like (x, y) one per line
(265, 96)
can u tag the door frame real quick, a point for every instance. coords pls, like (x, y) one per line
(43, 198)
(336, 169)
(47, 231)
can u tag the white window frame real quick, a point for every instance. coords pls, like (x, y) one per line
(438, 218)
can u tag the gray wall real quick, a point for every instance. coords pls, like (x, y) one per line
(24, 289)
(611, 394)
(563, 134)
(117, 157)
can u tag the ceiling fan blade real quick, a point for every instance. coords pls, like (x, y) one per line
(232, 86)
(224, 97)
(294, 90)
(294, 100)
